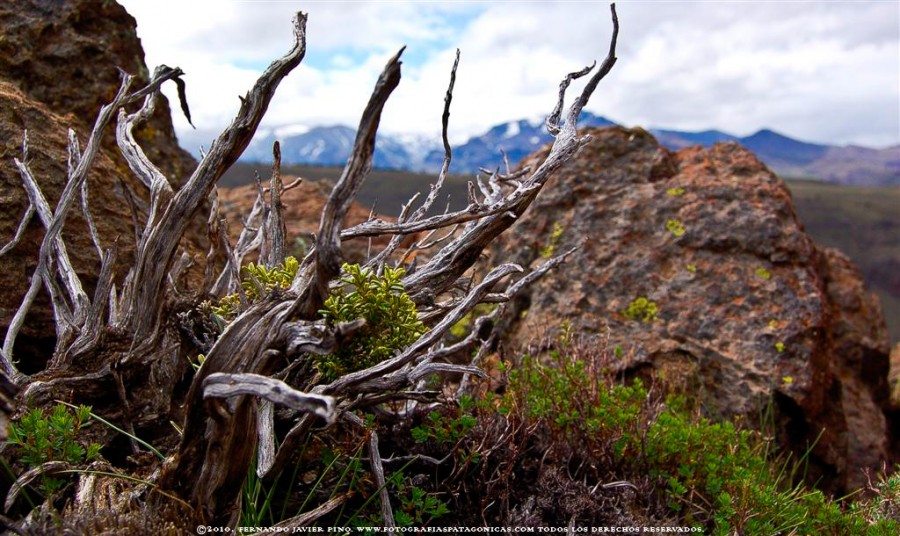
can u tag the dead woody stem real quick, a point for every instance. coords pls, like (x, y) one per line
(221, 420)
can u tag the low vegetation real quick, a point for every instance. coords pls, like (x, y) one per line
(561, 441)
(552, 431)
(392, 321)
(42, 437)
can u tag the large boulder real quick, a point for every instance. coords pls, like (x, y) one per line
(58, 66)
(749, 312)
(67, 55)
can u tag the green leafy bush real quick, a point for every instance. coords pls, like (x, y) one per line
(257, 282)
(417, 507)
(43, 438)
(392, 321)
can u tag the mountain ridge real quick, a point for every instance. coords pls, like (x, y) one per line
(787, 156)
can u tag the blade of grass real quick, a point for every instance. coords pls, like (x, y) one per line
(121, 431)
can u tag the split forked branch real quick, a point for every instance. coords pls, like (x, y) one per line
(270, 337)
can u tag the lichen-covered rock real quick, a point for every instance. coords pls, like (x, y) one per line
(696, 267)
(67, 55)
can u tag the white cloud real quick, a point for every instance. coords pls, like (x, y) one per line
(822, 71)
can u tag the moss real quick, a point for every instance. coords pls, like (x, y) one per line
(548, 250)
(642, 310)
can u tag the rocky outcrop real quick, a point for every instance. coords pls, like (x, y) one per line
(67, 56)
(894, 377)
(58, 65)
(696, 269)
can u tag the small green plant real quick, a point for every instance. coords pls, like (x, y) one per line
(392, 322)
(675, 227)
(884, 506)
(675, 192)
(42, 438)
(257, 500)
(780, 346)
(446, 429)
(547, 251)
(763, 273)
(692, 268)
(257, 282)
(417, 507)
(642, 310)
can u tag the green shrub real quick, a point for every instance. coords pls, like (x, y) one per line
(710, 474)
(257, 281)
(416, 506)
(392, 322)
(883, 508)
(43, 438)
(446, 429)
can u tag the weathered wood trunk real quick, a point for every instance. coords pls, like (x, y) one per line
(121, 349)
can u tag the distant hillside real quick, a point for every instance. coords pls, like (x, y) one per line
(675, 139)
(851, 165)
(386, 190)
(864, 223)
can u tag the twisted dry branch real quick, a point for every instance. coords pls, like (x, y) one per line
(278, 335)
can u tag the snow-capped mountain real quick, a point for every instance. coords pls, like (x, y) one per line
(330, 146)
(327, 146)
(517, 138)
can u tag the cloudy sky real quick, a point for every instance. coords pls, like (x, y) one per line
(823, 71)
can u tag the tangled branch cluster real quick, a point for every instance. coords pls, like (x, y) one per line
(258, 358)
